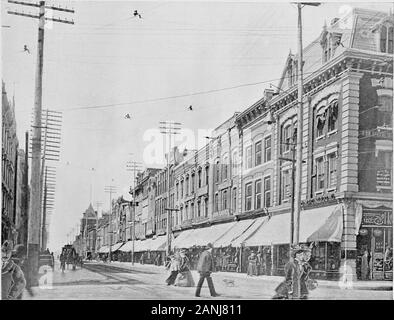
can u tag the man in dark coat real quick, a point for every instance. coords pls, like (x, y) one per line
(205, 268)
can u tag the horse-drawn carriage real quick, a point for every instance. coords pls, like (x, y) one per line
(70, 256)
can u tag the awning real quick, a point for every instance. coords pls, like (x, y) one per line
(239, 228)
(159, 243)
(104, 249)
(319, 224)
(142, 245)
(249, 232)
(203, 236)
(116, 246)
(127, 246)
(181, 238)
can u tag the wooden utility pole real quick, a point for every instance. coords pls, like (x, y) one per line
(35, 200)
(135, 167)
(110, 190)
(300, 114)
(169, 128)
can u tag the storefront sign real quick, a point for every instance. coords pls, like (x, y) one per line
(377, 133)
(377, 217)
(383, 177)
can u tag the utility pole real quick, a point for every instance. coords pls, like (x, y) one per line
(98, 205)
(169, 128)
(110, 190)
(35, 207)
(135, 167)
(300, 114)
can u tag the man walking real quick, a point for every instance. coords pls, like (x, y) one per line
(205, 268)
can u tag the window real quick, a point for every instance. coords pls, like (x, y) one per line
(224, 200)
(333, 117)
(181, 215)
(216, 203)
(320, 173)
(332, 170)
(217, 172)
(386, 39)
(285, 187)
(267, 149)
(206, 175)
(192, 182)
(187, 186)
(286, 138)
(177, 191)
(199, 178)
(224, 167)
(248, 196)
(235, 163)
(248, 157)
(199, 208)
(192, 210)
(257, 194)
(320, 122)
(234, 205)
(385, 111)
(257, 150)
(186, 212)
(267, 192)
(206, 207)
(182, 189)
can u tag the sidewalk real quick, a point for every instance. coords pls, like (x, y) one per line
(355, 285)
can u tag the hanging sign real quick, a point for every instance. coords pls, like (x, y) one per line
(376, 217)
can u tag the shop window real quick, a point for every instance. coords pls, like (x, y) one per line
(258, 156)
(320, 173)
(332, 170)
(224, 200)
(333, 117)
(267, 149)
(248, 196)
(257, 196)
(285, 185)
(267, 192)
(386, 39)
(248, 157)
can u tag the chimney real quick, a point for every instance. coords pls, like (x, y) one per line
(268, 94)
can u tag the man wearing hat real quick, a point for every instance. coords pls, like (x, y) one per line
(12, 278)
(205, 268)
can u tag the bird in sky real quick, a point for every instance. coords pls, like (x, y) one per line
(191, 108)
(127, 116)
(25, 48)
(136, 14)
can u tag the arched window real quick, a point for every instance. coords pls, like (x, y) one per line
(234, 204)
(224, 200)
(286, 140)
(333, 116)
(217, 172)
(216, 202)
(320, 122)
(386, 39)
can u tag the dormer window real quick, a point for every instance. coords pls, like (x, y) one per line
(386, 39)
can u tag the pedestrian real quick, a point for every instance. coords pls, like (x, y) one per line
(252, 266)
(205, 268)
(259, 262)
(12, 278)
(365, 266)
(173, 266)
(290, 288)
(184, 277)
(306, 282)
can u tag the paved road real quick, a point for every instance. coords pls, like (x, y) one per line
(113, 281)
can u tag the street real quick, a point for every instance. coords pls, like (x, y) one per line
(110, 281)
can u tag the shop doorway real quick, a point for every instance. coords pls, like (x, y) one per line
(378, 263)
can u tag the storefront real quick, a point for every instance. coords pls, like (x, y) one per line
(374, 244)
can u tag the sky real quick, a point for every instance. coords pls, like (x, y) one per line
(216, 56)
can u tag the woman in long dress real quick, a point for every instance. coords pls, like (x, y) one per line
(252, 267)
(184, 278)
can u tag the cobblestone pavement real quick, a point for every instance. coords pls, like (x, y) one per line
(122, 281)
